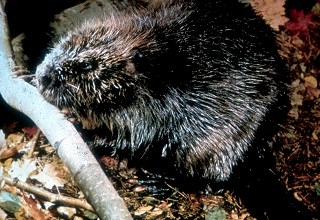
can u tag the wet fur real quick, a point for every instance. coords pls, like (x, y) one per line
(190, 89)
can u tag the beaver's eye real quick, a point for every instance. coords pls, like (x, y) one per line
(86, 66)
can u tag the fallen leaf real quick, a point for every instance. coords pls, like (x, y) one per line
(143, 209)
(14, 139)
(316, 9)
(311, 81)
(299, 22)
(311, 84)
(48, 177)
(30, 130)
(32, 210)
(66, 211)
(272, 11)
(21, 169)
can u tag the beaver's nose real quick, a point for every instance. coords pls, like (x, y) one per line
(48, 78)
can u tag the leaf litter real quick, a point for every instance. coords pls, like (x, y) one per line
(296, 147)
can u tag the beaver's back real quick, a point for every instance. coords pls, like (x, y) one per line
(192, 89)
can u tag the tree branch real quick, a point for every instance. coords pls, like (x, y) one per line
(60, 133)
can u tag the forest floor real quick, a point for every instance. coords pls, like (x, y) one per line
(25, 153)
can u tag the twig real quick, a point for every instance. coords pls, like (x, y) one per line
(177, 191)
(48, 196)
(33, 143)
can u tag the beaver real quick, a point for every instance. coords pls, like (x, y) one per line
(190, 89)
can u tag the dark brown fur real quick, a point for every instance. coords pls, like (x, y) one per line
(190, 89)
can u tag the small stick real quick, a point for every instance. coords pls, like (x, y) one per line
(33, 143)
(48, 196)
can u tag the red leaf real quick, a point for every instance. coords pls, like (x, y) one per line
(30, 130)
(299, 21)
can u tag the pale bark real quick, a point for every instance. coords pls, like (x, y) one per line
(60, 133)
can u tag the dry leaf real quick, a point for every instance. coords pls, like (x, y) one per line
(311, 81)
(143, 209)
(311, 84)
(14, 139)
(49, 177)
(272, 11)
(21, 169)
(32, 210)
